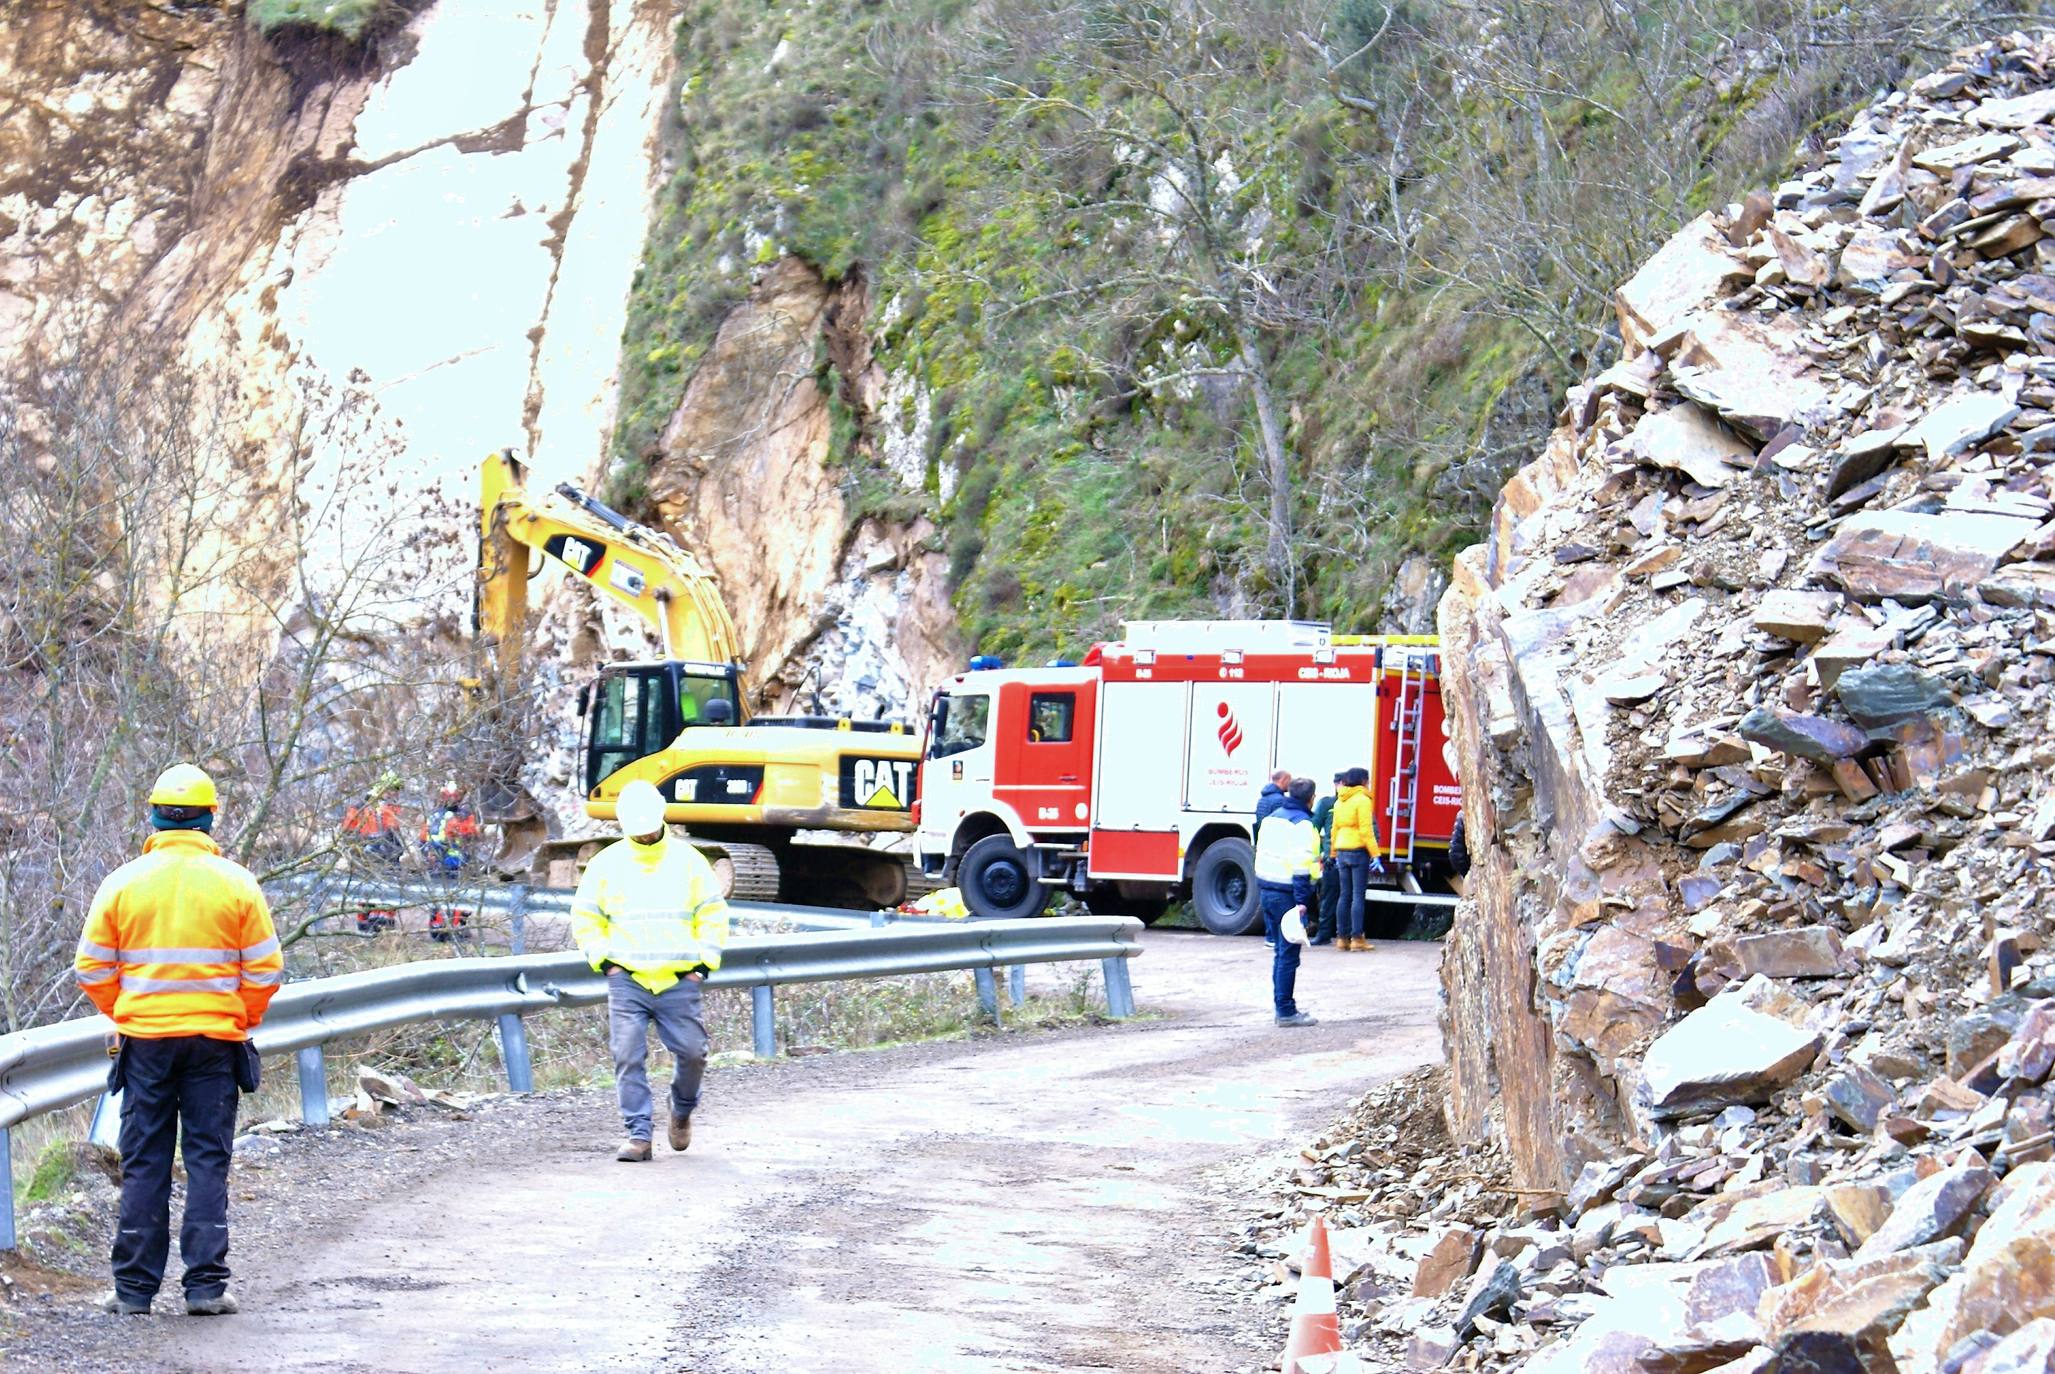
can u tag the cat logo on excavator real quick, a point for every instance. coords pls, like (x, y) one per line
(878, 784)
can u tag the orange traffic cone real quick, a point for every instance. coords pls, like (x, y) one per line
(1315, 1328)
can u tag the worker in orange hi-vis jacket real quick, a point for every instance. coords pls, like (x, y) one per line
(180, 953)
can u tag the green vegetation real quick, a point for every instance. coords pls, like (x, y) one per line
(350, 18)
(1069, 221)
(55, 1168)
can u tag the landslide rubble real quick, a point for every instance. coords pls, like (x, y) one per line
(1750, 1009)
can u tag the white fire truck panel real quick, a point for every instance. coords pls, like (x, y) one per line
(1323, 728)
(1229, 750)
(1141, 733)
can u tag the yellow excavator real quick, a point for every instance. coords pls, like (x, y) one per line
(745, 787)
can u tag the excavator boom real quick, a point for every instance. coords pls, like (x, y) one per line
(641, 568)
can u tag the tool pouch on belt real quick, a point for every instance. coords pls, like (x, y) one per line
(117, 1063)
(249, 1066)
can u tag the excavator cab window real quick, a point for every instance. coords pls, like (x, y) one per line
(636, 710)
(697, 692)
(630, 717)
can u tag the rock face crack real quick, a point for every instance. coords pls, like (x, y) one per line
(600, 47)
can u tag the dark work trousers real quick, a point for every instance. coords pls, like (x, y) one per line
(632, 1010)
(1284, 964)
(182, 1081)
(1327, 895)
(1355, 876)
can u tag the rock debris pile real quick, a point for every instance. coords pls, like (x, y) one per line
(1754, 993)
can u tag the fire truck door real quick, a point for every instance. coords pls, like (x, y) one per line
(1228, 749)
(1324, 727)
(1045, 753)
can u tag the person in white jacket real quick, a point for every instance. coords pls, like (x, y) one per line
(1287, 863)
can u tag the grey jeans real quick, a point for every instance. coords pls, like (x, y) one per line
(675, 1012)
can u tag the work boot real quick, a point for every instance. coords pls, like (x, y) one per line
(1298, 1018)
(633, 1152)
(115, 1303)
(681, 1133)
(222, 1304)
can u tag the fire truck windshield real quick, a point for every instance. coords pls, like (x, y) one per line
(959, 725)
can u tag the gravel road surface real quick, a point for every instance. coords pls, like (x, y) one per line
(1033, 1201)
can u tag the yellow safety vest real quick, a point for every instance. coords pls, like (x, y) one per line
(1286, 846)
(656, 910)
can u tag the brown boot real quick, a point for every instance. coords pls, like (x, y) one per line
(681, 1133)
(633, 1152)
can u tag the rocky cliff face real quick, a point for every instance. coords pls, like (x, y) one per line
(1751, 695)
(745, 477)
(387, 258)
(428, 241)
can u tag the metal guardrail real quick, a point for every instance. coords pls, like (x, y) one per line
(518, 901)
(56, 1066)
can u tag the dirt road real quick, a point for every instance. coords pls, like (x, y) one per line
(1027, 1202)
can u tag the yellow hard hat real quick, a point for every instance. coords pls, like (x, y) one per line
(182, 784)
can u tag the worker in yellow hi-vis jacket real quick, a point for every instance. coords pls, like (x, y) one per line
(649, 915)
(179, 952)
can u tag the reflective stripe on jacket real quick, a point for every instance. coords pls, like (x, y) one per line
(656, 910)
(179, 942)
(1288, 850)
(1355, 819)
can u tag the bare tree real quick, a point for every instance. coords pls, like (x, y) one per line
(161, 604)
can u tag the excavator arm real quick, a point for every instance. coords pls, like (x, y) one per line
(641, 568)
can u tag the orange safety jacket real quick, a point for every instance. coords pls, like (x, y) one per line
(370, 819)
(179, 942)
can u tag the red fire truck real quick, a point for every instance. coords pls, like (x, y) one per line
(1131, 780)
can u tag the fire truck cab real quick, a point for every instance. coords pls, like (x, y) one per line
(1131, 780)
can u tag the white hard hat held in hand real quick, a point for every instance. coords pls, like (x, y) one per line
(641, 810)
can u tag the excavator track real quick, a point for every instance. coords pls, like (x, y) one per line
(747, 872)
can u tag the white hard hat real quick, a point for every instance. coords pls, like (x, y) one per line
(641, 809)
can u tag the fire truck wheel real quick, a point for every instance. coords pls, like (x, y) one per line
(1224, 888)
(998, 881)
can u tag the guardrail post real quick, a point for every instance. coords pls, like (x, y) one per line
(988, 994)
(517, 916)
(106, 1128)
(763, 1021)
(7, 1177)
(1016, 984)
(313, 1086)
(513, 1048)
(1120, 994)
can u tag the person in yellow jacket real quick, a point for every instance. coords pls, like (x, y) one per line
(649, 915)
(1354, 832)
(179, 952)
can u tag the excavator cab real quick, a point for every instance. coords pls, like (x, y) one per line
(635, 710)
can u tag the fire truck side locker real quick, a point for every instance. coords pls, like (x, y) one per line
(1141, 725)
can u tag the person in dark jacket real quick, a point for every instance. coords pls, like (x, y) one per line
(1287, 858)
(1327, 892)
(1270, 799)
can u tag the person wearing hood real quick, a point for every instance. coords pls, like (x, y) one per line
(1287, 860)
(1355, 825)
(649, 914)
(1271, 797)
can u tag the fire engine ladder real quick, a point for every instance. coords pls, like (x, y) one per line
(1403, 803)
